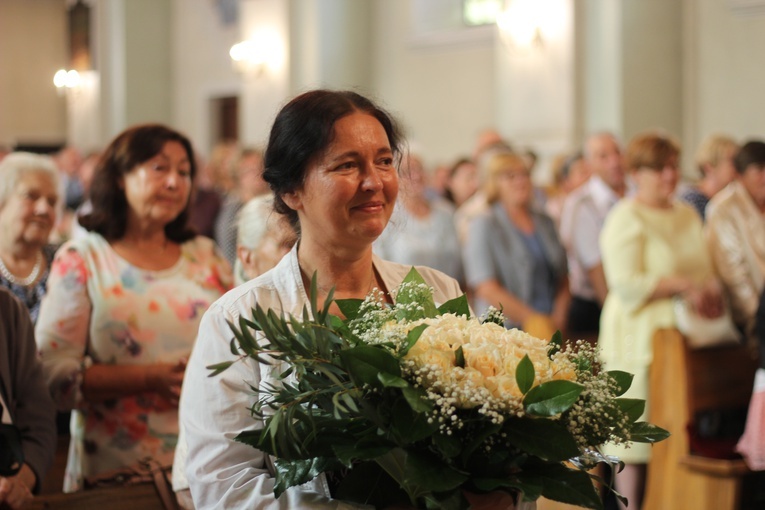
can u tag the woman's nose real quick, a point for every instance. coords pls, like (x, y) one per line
(372, 179)
(171, 180)
(43, 205)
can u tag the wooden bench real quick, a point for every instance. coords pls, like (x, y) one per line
(683, 382)
(142, 496)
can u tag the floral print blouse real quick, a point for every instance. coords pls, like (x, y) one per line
(32, 296)
(101, 309)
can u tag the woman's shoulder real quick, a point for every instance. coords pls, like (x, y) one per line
(273, 289)
(200, 243)
(92, 242)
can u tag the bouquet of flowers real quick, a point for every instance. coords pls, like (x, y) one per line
(416, 404)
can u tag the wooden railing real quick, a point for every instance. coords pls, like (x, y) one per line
(684, 382)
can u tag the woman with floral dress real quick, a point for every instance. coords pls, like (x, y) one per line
(124, 304)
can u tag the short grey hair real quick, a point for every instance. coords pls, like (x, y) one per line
(253, 219)
(17, 164)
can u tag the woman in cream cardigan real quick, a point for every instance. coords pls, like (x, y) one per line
(653, 250)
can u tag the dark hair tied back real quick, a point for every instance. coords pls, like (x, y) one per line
(303, 129)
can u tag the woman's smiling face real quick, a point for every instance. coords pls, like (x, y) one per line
(350, 189)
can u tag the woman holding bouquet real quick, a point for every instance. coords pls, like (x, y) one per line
(331, 163)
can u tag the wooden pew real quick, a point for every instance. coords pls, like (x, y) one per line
(141, 496)
(684, 381)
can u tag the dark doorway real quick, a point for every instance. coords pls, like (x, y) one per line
(225, 117)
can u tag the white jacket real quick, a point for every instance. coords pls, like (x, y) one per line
(223, 473)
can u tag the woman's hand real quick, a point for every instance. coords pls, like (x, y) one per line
(166, 378)
(15, 491)
(540, 326)
(706, 299)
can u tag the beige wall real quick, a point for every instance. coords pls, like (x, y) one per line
(31, 111)
(724, 72)
(202, 69)
(442, 91)
(689, 66)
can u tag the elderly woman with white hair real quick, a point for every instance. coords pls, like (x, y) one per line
(263, 238)
(29, 193)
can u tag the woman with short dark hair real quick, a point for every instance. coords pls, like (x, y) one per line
(124, 304)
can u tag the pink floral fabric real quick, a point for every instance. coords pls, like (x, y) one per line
(101, 309)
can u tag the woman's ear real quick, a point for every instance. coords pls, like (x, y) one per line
(293, 199)
(247, 258)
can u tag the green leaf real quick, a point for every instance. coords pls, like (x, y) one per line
(525, 374)
(297, 472)
(368, 484)
(349, 307)
(623, 381)
(217, 368)
(556, 342)
(417, 399)
(459, 356)
(428, 472)
(392, 381)
(412, 337)
(405, 296)
(478, 439)
(458, 306)
(632, 407)
(563, 484)
(449, 445)
(250, 437)
(549, 440)
(552, 398)
(643, 432)
(365, 362)
(409, 426)
(350, 453)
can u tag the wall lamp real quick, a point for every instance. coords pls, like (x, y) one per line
(67, 80)
(248, 57)
(527, 24)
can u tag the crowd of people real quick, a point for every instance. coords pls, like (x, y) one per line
(118, 270)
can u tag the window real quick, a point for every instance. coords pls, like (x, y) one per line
(480, 12)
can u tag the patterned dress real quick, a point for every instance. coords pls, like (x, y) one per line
(32, 296)
(101, 309)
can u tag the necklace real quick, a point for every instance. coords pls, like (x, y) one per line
(24, 282)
